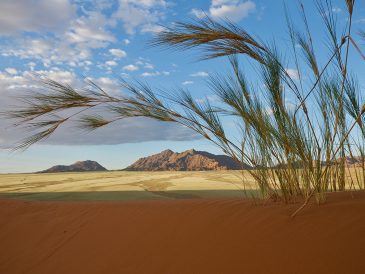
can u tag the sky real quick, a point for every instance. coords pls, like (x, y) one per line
(69, 40)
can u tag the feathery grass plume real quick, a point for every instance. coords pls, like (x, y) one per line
(293, 154)
(350, 6)
(219, 39)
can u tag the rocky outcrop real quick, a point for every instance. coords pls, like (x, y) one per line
(190, 160)
(81, 166)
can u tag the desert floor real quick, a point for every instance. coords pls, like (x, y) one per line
(170, 223)
(123, 185)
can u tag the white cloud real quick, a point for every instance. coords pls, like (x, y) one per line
(27, 79)
(8, 81)
(110, 85)
(131, 130)
(149, 66)
(142, 13)
(118, 53)
(130, 67)
(111, 63)
(72, 45)
(35, 16)
(126, 41)
(152, 28)
(208, 98)
(48, 51)
(126, 131)
(187, 83)
(155, 73)
(293, 73)
(151, 74)
(65, 77)
(31, 65)
(11, 71)
(198, 13)
(200, 74)
(234, 10)
(89, 30)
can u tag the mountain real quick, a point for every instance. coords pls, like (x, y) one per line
(352, 161)
(81, 166)
(355, 161)
(190, 160)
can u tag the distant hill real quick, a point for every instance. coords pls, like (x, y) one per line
(355, 161)
(352, 161)
(190, 160)
(81, 166)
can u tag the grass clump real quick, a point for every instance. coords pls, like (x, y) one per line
(301, 149)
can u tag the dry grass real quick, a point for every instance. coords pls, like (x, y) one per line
(326, 124)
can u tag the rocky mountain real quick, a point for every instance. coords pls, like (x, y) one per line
(355, 161)
(352, 161)
(81, 166)
(190, 160)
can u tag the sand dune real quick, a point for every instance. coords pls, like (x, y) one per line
(182, 236)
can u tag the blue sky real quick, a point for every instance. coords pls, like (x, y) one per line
(67, 40)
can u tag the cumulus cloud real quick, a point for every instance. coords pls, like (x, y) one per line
(198, 13)
(208, 98)
(152, 28)
(72, 46)
(35, 16)
(155, 73)
(130, 67)
(11, 71)
(150, 74)
(234, 10)
(90, 29)
(200, 74)
(126, 131)
(133, 130)
(293, 73)
(111, 63)
(118, 53)
(149, 66)
(140, 13)
(110, 85)
(64, 36)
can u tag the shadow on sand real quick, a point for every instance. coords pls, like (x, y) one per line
(128, 195)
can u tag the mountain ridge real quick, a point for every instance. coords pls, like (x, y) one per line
(79, 166)
(189, 160)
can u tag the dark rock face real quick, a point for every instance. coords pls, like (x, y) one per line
(81, 166)
(190, 160)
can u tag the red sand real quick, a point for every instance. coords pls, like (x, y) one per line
(182, 236)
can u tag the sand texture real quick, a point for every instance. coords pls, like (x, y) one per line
(182, 236)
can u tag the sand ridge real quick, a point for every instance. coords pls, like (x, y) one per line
(182, 236)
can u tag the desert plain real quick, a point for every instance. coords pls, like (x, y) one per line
(126, 185)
